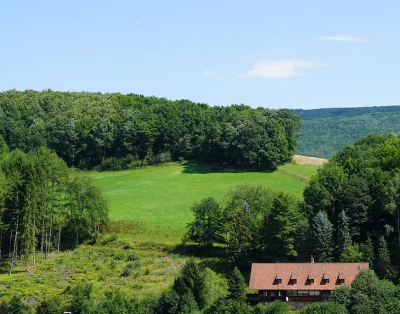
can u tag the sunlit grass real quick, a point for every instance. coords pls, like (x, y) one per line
(158, 199)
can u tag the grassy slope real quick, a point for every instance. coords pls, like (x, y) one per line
(158, 199)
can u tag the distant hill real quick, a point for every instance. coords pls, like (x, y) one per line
(325, 131)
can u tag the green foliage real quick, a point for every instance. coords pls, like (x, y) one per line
(53, 305)
(82, 301)
(15, 305)
(277, 307)
(367, 250)
(115, 303)
(326, 131)
(371, 295)
(229, 306)
(341, 295)
(352, 253)
(236, 286)
(321, 240)
(324, 308)
(115, 131)
(280, 227)
(207, 227)
(382, 263)
(343, 238)
(46, 206)
(191, 281)
(362, 181)
(241, 238)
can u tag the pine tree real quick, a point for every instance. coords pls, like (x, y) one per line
(343, 238)
(321, 237)
(191, 281)
(367, 250)
(382, 258)
(236, 286)
(302, 241)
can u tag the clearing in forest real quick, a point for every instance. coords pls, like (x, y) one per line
(155, 202)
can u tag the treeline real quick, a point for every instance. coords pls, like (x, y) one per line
(255, 223)
(45, 206)
(311, 114)
(357, 194)
(350, 213)
(326, 131)
(115, 131)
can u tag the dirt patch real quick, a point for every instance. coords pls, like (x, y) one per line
(305, 160)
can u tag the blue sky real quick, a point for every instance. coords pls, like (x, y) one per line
(276, 54)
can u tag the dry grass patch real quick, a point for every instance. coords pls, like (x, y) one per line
(308, 161)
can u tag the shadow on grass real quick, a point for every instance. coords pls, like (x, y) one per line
(197, 167)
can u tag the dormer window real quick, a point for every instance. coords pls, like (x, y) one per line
(325, 279)
(310, 279)
(341, 278)
(278, 279)
(293, 279)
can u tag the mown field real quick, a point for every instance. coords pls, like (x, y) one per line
(158, 199)
(149, 209)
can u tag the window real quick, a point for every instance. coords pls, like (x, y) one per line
(280, 293)
(310, 281)
(302, 293)
(292, 281)
(272, 293)
(278, 281)
(292, 293)
(326, 281)
(315, 293)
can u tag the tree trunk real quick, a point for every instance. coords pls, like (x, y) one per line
(15, 246)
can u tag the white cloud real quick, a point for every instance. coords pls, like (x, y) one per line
(350, 39)
(279, 69)
(209, 73)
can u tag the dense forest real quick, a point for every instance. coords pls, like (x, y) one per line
(115, 131)
(45, 206)
(326, 131)
(350, 212)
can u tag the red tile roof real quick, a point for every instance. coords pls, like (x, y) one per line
(263, 275)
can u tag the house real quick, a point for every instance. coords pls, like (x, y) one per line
(299, 283)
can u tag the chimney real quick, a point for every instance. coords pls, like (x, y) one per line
(312, 259)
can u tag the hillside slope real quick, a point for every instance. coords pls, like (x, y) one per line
(325, 131)
(158, 199)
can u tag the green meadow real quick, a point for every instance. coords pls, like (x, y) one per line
(157, 200)
(149, 209)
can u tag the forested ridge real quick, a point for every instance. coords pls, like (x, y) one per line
(115, 131)
(326, 131)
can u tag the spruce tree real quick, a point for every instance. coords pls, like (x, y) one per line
(321, 237)
(343, 238)
(367, 250)
(191, 280)
(237, 286)
(302, 241)
(382, 258)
